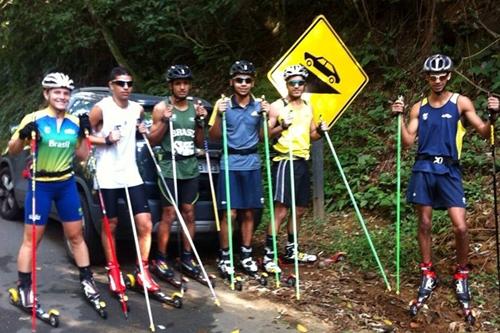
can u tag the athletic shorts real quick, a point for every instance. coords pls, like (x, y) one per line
(137, 199)
(245, 189)
(281, 182)
(438, 191)
(63, 193)
(187, 191)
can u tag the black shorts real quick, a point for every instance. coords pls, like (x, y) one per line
(137, 199)
(281, 182)
(187, 191)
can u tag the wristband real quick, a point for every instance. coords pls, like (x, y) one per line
(108, 141)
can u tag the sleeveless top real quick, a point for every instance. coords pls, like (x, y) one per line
(58, 141)
(116, 164)
(184, 124)
(440, 133)
(298, 134)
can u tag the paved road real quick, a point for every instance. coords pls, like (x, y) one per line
(59, 289)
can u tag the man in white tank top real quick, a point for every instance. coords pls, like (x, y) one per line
(114, 121)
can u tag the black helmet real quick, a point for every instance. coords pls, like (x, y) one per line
(176, 72)
(438, 63)
(242, 67)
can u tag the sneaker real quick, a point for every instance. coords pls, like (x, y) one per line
(302, 257)
(189, 265)
(115, 278)
(26, 296)
(90, 289)
(161, 269)
(461, 283)
(147, 280)
(268, 262)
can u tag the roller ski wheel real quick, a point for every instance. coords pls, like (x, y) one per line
(174, 300)
(290, 281)
(93, 297)
(100, 307)
(50, 317)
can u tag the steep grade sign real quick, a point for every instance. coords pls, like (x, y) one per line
(335, 77)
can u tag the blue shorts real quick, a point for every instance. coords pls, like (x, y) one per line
(436, 190)
(282, 186)
(245, 189)
(63, 193)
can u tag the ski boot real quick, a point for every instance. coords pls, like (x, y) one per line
(272, 268)
(461, 284)
(302, 257)
(189, 267)
(161, 269)
(250, 268)
(117, 286)
(136, 281)
(22, 297)
(226, 271)
(93, 297)
(427, 285)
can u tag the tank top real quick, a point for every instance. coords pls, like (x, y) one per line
(440, 133)
(298, 134)
(184, 125)
(116, 164)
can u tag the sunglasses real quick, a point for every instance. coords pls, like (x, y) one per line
(123, 83)
(295, 83)
(441, 77)
(243, 80)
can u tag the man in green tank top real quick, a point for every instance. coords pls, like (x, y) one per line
(177, 122)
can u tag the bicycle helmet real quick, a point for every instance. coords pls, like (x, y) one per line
(295, 70)
(57, 80)
(177, 72)
(438, 63)
(242, 67)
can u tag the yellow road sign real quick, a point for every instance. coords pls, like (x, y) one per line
(335, 77)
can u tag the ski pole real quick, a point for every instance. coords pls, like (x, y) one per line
(495, 207)
(181, 220)
(139, 259)
(398, 199)
(107, 230)
(294, 217)
(33, 231)
(210, 177)
(228, 196)
(270, 190)
(360, 218)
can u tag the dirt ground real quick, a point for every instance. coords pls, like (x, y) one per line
(348, 300)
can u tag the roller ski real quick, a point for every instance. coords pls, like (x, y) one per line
(93, 297)
(136, 282)
(162, 270)
(302, 257)
(250, 267)
(117, 286)
(271, 268)
(427, 285)
(462, 291)
(225, 271)
(188, 266)
(23, 299)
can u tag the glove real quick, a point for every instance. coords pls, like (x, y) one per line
(84, 125)
(25, 132)
(322, 128)
(287, 121)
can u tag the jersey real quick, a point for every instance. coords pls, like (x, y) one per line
(298, 135)
(184, 124)
(243, 129)
(440, 133)
(58, 141)
(116, 164)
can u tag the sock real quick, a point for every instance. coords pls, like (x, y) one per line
(269, 241)
(224, 253)
(290, 239)
(186, 255)
(245, 251)
(24, 279)
(85, 273)
(161, 256)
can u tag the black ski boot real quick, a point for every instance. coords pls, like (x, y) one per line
(461, 284)
(161, 269)
(427, 285)
(225, 270)
(191, 268)
(250, 267)
(93, 296)
(22, 297)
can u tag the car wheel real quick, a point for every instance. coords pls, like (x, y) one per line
(8, 206)
(331, 79)
(90, 235)
(309, 62)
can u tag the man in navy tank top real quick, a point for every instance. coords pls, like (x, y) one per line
(436, 180)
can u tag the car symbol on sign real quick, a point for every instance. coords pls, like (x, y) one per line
(323, 65)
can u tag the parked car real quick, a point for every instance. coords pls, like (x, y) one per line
(13, 185)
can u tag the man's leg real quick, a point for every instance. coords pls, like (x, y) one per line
(460, 229)
(187, 211)
(424, 214)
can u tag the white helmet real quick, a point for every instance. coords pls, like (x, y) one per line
(438, 63)
(295, 70)
(57, 80)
